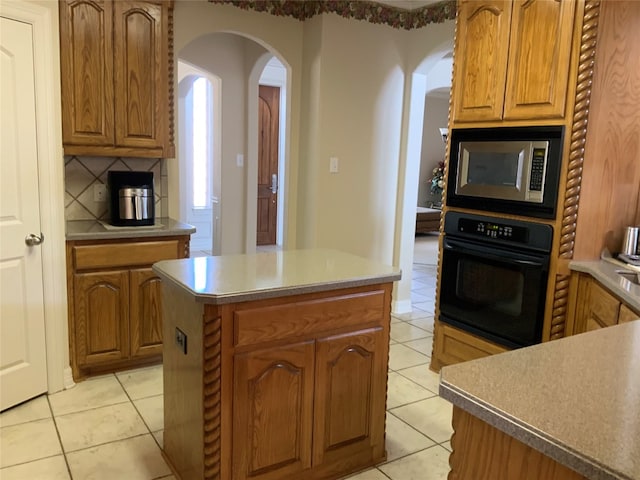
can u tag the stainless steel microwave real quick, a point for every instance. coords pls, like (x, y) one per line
(505, 169)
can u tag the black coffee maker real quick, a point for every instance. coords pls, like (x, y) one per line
(132, 202)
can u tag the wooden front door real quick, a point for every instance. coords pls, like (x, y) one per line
(268, 127)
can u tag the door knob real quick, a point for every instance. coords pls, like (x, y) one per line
(32, 239)
(274, 183)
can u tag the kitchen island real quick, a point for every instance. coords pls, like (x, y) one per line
(562, 410)
(278, 364)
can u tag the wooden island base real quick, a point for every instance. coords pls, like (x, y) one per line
(281, 388)
(482, 452)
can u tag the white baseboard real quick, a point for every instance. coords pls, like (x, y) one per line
(399, 307)
(68, 378)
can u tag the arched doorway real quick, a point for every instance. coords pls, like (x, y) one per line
(238, 63)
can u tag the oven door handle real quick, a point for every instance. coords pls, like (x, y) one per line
(473, 249)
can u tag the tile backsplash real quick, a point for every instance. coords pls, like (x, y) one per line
(82, 173)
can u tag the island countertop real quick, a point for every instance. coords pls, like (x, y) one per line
(237, 278)
(576, 400)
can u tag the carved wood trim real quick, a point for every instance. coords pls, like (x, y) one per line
(435, 361)
(171, 73)
(559, 309)
(211, 394)
(579, 128)
(576, 160)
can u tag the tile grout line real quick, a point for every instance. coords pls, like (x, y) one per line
(64, 453)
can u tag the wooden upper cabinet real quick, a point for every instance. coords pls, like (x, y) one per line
(86, 60)
(115, 78)
(512, 59)
(481, 60)
(140, 61)
(539, 58)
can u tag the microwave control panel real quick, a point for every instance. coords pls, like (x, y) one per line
(513, 233)
(537, 169)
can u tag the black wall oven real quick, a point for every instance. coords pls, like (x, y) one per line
(494, 277)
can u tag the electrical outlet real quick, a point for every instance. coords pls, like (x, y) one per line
(181, 340)
(240, 160)
(99, 192)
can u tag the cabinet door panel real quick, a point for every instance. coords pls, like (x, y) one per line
(539, 56)
(140, 63)
(145, 313)
(272, 412)
(603, 308)
(350, 396)
(101, 317)
(86, 64)
(627, 315)
(481, 60)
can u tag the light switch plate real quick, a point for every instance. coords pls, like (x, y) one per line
(333, 165)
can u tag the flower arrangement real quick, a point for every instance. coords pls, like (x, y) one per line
(437, 180)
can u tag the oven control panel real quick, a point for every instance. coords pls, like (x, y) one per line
(513, 233)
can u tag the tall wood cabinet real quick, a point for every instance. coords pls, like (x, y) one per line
(116, 77)
(115, 303)
(512, 59)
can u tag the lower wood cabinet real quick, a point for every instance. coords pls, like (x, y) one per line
(594, 307)
(101, 315)
(285, 388)
(307, 404)
(451, 346)
(115, 302)
(273, 411)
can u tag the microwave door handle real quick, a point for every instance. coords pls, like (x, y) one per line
(487, 253)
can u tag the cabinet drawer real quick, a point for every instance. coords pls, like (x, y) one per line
(265, 324)
(604, 306)
(123, 254)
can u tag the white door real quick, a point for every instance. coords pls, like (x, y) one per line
(23, 372)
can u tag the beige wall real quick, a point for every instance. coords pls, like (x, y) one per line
(349, 83)
(225, 55)
(222, 39)
(353, 112)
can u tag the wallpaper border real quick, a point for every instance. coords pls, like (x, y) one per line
(371, 12)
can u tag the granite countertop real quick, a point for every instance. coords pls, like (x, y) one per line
(97, 230)
(577, 399)
(604, 271)
(236, 278)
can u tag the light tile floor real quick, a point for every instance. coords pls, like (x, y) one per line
(110, 427)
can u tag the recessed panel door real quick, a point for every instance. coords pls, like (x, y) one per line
(23, 372)
(269, 114)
